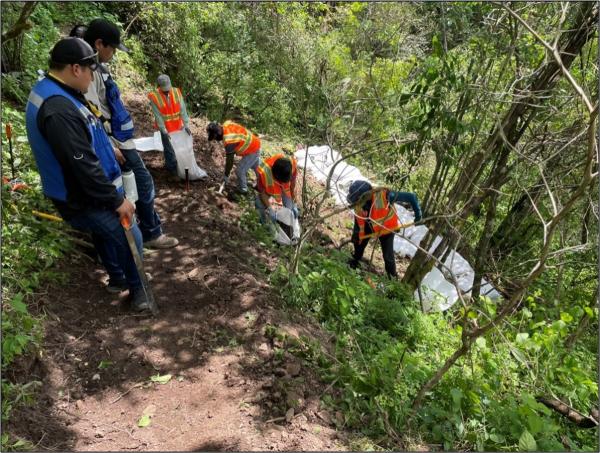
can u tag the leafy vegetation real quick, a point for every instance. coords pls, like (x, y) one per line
(459, 102)
(385, 348)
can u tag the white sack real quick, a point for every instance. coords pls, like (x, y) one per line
(153, 143)
(183, 144)
(438, 293)
(286, 216)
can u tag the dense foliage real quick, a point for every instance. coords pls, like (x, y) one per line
(458, 102)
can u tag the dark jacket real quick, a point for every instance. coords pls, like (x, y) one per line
(62, 125)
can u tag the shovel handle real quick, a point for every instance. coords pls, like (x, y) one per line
(9, 130)
(43, 215)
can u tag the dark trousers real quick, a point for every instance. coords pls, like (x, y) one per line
(387, 247)
(111, 244)
(145, 212)
(169, 153)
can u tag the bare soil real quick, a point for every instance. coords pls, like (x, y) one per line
(232, 384)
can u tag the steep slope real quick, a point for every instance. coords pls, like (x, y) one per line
(232, 382)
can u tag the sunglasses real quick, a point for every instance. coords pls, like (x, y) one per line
(91, 62)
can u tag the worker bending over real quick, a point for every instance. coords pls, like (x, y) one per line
(237, 141)
(375, 216)
(276, 178)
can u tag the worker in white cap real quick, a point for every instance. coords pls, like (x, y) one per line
(171, 115)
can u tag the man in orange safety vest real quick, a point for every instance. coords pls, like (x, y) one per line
(238, 141)
(277, 179)
(170, 114)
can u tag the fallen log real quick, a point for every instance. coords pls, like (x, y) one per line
(583, 421)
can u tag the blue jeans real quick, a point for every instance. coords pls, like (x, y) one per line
(170, 159)
(111, 244)
(149, 219)
(246, 163)
(262, 209)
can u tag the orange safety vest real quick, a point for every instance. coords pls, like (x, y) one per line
(265, 175)
(246, 142)
(170, 111)
(382, 215)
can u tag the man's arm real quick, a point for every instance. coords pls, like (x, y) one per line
(68, 135)
(159, 119)
(265, 198)
(184, 113)
(406, 197)
(228, 164)
(293, 187)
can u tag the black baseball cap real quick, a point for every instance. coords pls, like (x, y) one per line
(73, 51)
(107, 32)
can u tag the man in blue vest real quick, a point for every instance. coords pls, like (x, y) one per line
(77, 164)
(104, 37)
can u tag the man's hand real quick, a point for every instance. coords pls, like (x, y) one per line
(126, 210)
(296, 211)
(272, 215)
(187, 129)
(119, 156)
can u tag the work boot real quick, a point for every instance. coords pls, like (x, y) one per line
(162, 242)
(353, 263)
(139, 301)
(116, 286)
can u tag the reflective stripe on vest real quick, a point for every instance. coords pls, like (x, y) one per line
(382, 216)
(51, 173)
(169, 111)
(246, 142)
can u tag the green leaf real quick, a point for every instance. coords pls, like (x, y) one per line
(18, 305)
(521, 337)
(144, 421)
(535, 423)
(457, 396)
(161, 379)
(566, 317)
(527, 442)
(104, 364)
(497, 438)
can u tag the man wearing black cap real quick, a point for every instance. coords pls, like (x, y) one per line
(375, 216)
(105, 37)
(77, 165)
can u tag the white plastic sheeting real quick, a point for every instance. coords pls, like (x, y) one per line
(153, 143)
(286, 216)
(183, 145)
(437, 292)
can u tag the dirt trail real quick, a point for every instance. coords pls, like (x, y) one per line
(228, 380)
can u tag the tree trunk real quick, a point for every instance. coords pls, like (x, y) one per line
(506, 135)
(21, 24)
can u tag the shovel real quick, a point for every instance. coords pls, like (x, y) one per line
(140, 265)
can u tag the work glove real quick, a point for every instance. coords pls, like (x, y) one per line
(272, 215)
(296, 211)
(189, 132)
(418, 216)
